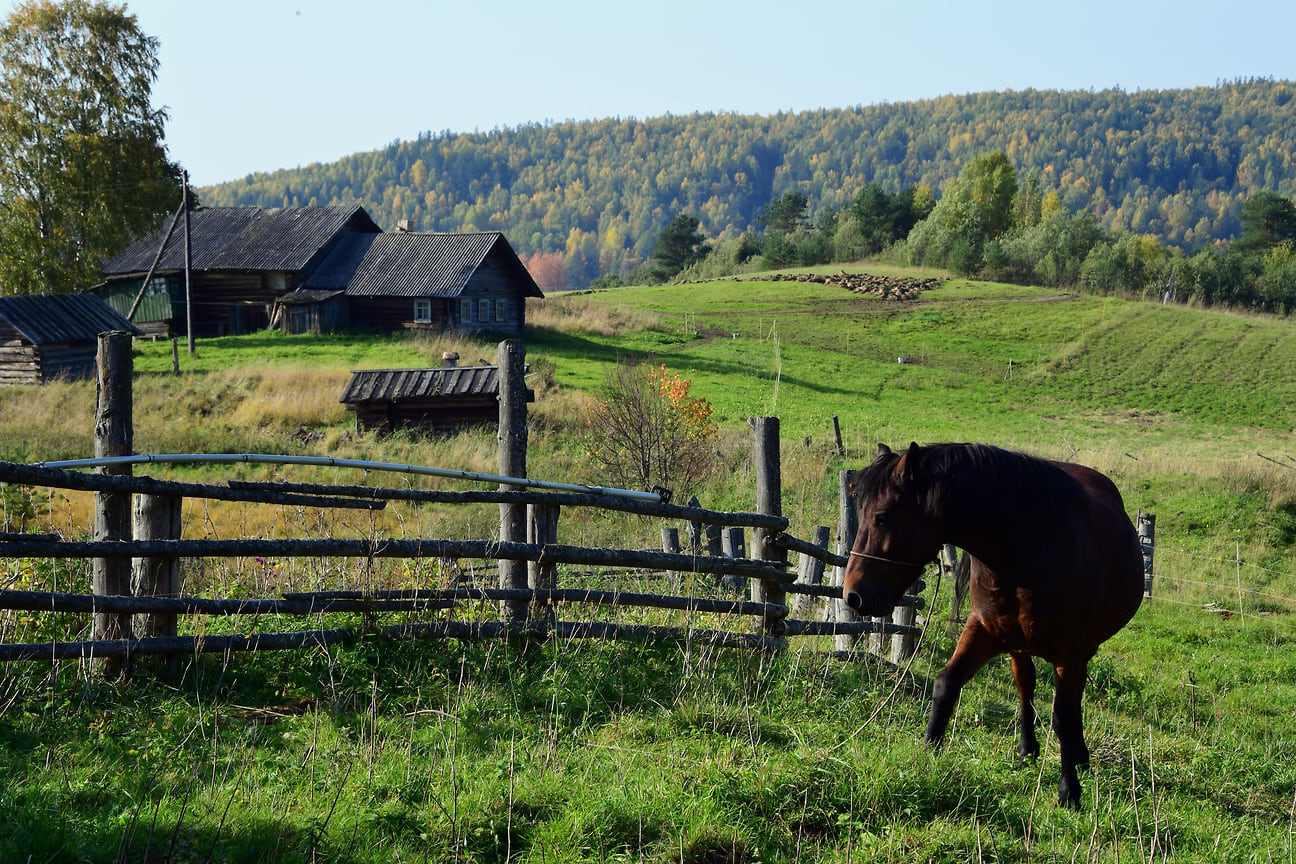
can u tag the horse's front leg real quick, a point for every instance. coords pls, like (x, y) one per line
(975, 648)
(1068, 725)
(1023, 669)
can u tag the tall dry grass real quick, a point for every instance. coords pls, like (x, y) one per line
(54, 421)
(567, 313)
(289, 395)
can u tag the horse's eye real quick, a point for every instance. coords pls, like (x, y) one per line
(880, 520)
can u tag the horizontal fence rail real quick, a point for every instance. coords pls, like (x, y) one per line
(390, 548)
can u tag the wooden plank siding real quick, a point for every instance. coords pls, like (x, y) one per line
(48, 337)
(396, 313)
(431, 415)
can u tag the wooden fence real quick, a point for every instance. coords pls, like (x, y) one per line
(137, 552)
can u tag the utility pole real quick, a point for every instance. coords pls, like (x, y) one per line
(189, 327)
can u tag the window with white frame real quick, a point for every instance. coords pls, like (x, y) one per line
(483, 310)
(465, 310)
(422, 311)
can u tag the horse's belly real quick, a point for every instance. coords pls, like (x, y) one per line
(1020, 623)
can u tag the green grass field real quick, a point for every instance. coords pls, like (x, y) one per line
(569, 751)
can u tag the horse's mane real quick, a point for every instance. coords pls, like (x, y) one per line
(945, 466)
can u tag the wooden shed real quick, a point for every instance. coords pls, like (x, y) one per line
(434, 400)
(309, 312)
(49, 336)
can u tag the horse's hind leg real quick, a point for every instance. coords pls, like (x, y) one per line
(975, 648)
(1023, 669)
(1068, 725)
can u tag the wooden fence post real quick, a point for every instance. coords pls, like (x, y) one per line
(694, 529)
(715, 540)
(671, 545)
(902, 644)
(157, 517)
(512, 437)
(542, 528)
(810, 572)
(1147, 540)
(769, 501)
(959, 569)
(733, 545)
(847, 527)
(113, 436)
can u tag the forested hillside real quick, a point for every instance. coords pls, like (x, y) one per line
(593, 196)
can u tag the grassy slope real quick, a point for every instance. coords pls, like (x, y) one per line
(584, 753)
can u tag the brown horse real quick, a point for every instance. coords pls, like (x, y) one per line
(1056, 570)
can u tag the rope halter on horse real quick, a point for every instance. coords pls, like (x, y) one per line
(919, 565)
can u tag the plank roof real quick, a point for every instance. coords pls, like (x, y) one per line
(388, 385)
(245, 238)
(51, 319)
(416, 264)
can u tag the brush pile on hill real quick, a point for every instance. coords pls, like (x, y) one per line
(886, 287)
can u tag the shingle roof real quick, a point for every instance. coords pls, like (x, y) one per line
(245, 238)
(385, 385)
(415, 264)
(55, 318)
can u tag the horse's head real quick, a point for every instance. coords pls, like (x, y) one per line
(897, 536)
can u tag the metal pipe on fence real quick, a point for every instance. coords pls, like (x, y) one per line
(334, 462)
(36, 475)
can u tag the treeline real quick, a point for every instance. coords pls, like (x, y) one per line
(582, 199)
(992, 223)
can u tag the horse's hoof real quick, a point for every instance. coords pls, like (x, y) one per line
(1069, 795)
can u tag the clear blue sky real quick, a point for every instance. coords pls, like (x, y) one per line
(257, 85)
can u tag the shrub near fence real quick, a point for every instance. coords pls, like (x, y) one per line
(149, 550)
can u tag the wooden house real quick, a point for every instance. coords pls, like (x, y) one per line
(241, 261)
(416, 280)
(432, 400)
(44, 337)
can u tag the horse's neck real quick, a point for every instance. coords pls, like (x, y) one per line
(979, 517)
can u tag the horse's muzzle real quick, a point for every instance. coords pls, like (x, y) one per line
(871, 605)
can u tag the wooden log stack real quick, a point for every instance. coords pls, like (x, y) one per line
(884, 287)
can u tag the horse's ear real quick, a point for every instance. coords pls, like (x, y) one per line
(883, 450)
(911, 459)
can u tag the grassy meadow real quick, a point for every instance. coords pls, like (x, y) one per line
(567, 751)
